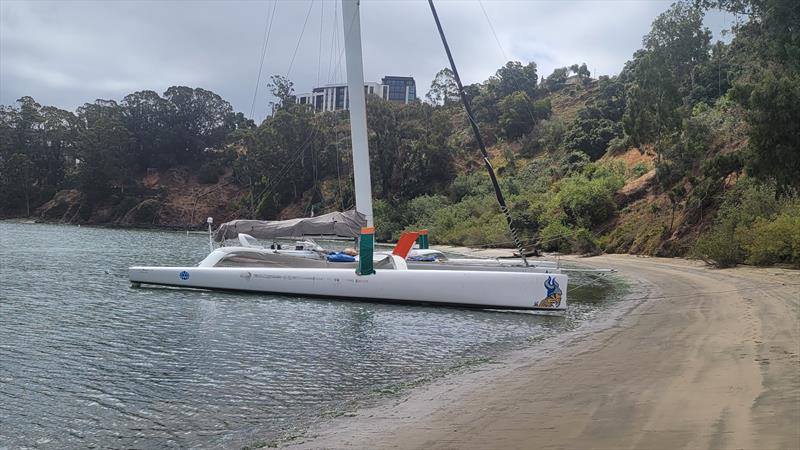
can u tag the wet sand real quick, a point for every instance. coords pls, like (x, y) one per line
(704, 358)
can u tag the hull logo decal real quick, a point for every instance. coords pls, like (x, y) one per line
(184, 275)
(553, 299)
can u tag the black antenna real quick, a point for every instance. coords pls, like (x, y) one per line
(497, 192)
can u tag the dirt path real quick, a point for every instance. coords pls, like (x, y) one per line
(709, 360)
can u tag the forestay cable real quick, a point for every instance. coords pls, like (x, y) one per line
(497, 191)
(267, 32)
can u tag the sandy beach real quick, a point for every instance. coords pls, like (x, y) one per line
(703, 358)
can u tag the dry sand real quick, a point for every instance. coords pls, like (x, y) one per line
(707, 359)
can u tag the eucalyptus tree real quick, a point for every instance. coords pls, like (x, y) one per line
(444, 90)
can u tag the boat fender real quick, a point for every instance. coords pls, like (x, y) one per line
(340, 257)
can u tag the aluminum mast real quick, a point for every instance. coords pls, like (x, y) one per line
(351, 22)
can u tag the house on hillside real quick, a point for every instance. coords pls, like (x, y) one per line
(335, 97)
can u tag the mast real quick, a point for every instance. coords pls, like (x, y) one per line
(351, 22)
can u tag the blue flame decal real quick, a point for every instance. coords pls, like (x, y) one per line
(553, 299)
(552, 286)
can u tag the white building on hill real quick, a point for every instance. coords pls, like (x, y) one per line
(334, 97)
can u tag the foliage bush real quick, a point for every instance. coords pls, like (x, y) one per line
(476, 183)
(387, 220)
(587, 201)
(591, 133)
(639, 169)
(718, 247)
(555, 237)
(547, 135)
(753, 226)
(774, 241)
(584, 242)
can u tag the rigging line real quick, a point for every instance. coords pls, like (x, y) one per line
(314, 105)
(289, 164)
(319, 51)
(506, 60)
(498, 192)
(299, 40)
(312, 134)
(496, 39)
(267, 32)
(334, 40)
(349, 30)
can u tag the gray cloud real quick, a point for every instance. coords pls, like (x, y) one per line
(65, 53)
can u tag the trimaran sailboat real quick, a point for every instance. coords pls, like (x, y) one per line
(404, 275)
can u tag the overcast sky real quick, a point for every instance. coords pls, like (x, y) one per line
(66, 53)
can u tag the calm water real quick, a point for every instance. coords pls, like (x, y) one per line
(86, 361)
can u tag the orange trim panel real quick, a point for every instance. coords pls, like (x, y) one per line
(405, 243)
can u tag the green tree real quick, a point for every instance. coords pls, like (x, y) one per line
(518, 114)
(581, 71)
(514, 77)
(282, 89)
(105, 150)
(774, 132)
(591, 133)
(557, 79)
(444, 90)
(16, 182)
(663, 74)
(766, 53)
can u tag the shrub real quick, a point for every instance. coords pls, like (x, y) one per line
(422, 211)
(584, 242)
(387, 221)
(769, 242)
(753, 226)
(585, 203)
(639, 169)
(547, 135)
(536, 176)
(717, 246)
(555, 237)
(471, 184)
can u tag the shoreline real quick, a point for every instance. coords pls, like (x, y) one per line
(697, 358)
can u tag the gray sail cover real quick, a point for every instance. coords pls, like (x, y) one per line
(343, 224)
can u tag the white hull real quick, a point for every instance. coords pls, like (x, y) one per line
(484, 289)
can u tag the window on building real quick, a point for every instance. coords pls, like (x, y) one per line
(339, 103)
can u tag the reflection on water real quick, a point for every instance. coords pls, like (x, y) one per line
(87, 361)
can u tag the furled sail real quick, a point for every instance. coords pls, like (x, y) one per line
(342, 224)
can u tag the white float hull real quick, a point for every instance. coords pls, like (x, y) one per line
(484, 289)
